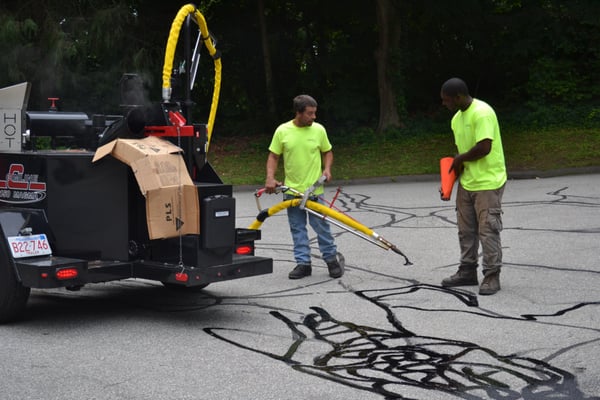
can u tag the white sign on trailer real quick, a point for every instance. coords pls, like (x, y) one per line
(13, 102)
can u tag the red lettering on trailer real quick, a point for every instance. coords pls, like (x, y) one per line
(37, 186)
(20, 187)
(15, 177)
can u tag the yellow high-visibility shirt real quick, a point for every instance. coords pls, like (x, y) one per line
(471, 126)
(302, 149)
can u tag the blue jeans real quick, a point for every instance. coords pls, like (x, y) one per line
(297, 222)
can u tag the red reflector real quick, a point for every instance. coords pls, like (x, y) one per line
(181, 277)
(244, 249)
(67, 273)
(44, 275)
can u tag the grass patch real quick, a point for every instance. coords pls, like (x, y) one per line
(242, 160)
(552, 149)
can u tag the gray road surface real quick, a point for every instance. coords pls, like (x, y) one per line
(384, 330)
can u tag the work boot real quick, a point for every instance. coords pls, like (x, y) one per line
(490, 284)
(465, 276)
(335, 269)
(300, 271)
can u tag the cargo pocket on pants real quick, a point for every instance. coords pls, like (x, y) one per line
(495, 219)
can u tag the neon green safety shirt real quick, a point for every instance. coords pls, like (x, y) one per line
(479, 122)
(301, 148)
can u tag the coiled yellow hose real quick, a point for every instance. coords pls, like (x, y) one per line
(170, 54)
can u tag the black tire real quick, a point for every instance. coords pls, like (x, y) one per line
(13, 295)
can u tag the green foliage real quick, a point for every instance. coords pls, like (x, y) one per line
(539, 58)
(242, 161)
(537, 62)
(541, 116)
(16, 52)
(549, 149)
(74, 50)
(552, 81)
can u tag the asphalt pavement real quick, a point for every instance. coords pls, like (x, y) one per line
(385, 330)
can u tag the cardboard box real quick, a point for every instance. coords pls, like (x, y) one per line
(129, 150)
(172, 207)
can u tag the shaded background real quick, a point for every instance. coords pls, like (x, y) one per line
(373, 66)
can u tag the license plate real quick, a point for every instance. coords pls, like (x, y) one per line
(29, 246)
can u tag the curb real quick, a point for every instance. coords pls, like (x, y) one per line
(535, 174)
(532, 174)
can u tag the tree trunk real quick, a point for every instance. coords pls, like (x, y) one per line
(266, 58)
(389, 38)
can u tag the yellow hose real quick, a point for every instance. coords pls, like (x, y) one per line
(272, 211)
(313, 205)
(170, 54)
(373, 237)
(320, 208)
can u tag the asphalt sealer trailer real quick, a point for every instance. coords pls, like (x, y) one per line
(66, 221)
(132, 196)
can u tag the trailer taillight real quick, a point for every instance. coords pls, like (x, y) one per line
(67, 273)
(244, 249)
(181, 277)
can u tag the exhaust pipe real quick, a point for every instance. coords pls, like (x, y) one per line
(130, 127)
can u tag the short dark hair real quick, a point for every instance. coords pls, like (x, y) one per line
(454, 87)
(302, 101)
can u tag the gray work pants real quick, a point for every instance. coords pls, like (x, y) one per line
(479, 218)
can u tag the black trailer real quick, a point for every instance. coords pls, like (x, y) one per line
(66, 221)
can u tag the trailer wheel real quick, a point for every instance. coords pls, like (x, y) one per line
(13, 295)
(181, 288)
